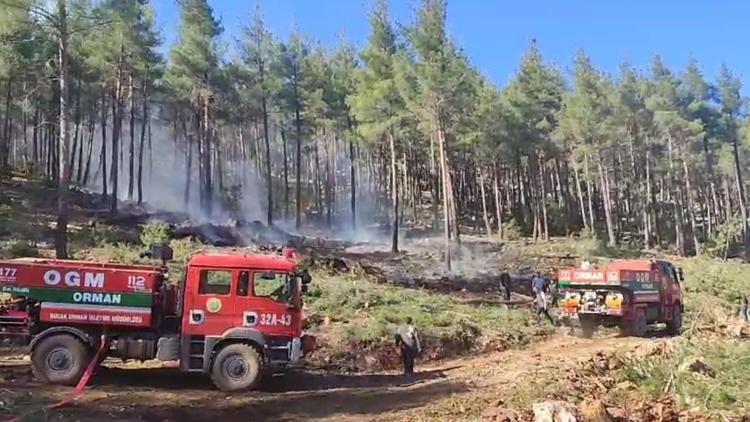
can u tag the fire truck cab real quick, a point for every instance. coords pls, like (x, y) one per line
(234, 315)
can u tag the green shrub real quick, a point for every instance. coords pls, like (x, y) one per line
(154, 232)
(369, 312)
(21, 248)
(511, 230)
(121, 252)
(724, 240)
(723, 388)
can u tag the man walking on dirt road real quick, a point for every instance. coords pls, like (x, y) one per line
(407, 339)
(505, 284)
(541, 289)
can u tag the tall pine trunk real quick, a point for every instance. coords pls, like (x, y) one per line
(207, 151)
(92, 128)
(485, 215)
(131, 131)
(352, 165)
(298, 169)
(103, 157)
(740, 185)
(446, 207)
(144, 125)
(394, 192)
(269, 184)
(606, 200)
(498, 203)
(579, 191)
(61, 239)
(286, 172)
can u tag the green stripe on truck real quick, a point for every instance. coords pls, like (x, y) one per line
(81, 297)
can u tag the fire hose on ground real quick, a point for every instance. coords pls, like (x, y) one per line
(77, 391)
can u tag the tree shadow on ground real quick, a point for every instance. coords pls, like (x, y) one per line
(284, 406)
(293, 380)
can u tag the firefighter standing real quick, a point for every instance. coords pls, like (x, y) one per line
(505, 284)
(407, 339)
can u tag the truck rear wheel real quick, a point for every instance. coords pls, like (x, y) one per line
(60, 359)
(675, 324)
(639, 323)
(237, 367)
(588, 326)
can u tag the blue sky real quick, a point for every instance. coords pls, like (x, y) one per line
(495, 33)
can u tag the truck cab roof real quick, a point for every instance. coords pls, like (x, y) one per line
(243, 260)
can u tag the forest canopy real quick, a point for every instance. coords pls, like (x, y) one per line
(404, 131)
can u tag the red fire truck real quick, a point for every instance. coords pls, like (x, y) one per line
(629, 294)
(235, 314)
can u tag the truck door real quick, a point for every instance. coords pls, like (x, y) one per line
(667, 288)
(272, 299)
(210, 308)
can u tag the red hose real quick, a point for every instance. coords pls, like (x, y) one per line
(79, 388)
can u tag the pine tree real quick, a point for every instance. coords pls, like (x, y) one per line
(728, 87)
(344, 68)
(191, 74)
(258, 53)
(533, 98)
(377, 104)
(291, 71)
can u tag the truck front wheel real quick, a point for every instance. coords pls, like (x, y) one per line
(675, 324)
(59, 359)
(237, 367)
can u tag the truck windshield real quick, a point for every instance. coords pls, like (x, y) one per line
(277, 286)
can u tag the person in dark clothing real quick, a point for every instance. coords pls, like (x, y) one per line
(744, 315)
(554, 291)
(505, 284)
(540, 287)
(407, 339)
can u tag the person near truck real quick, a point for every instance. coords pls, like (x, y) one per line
(540, 288)
(407, 339)
(554, 289)
(505, 284)
(744, 315)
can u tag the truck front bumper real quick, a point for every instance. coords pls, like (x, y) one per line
(301, 347)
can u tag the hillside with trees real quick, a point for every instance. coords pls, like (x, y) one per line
(405, 131)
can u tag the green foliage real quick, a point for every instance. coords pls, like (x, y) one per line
(376, 103)
(362, 311)
(712, 278)
(511, 230)
(724, 239)
(724, 389)
(21, 248)
(154, 232)
(119, 252)
(184, 249)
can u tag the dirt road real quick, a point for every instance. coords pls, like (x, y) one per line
(452, 390)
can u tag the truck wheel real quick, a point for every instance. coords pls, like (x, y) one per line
(59, 359)
(588, 326)
(237, 367)
(639, 323)
(675, 324)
